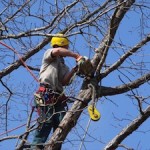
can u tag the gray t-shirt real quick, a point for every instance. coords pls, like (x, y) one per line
(53, 70)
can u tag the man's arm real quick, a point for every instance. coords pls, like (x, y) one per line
(63, 52)
(68, 76)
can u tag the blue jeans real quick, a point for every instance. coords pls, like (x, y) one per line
(41, 134)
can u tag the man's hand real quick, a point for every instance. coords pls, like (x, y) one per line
(84, 66)
(81, 60)
(75, 69)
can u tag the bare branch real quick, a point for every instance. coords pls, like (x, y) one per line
(118, 15)
(107, 91)
(26, 134)
(125, 56)
(114, 143)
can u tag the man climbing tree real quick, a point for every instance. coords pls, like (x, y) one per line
(50, 99)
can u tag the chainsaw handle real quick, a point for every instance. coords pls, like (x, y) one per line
(79, 58)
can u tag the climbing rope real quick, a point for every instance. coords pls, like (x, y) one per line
(18, 127)
(86, 131)
(19, 56)
(93, 112)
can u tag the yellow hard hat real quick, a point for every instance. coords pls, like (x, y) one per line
(59, 40)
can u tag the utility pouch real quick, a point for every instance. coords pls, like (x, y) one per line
(48, 97)
(39, 101)
(43, 99)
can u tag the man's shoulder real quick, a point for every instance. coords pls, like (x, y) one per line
(48, 50)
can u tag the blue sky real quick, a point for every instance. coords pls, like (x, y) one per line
(111, 108)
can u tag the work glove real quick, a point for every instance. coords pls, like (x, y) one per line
(84, 66)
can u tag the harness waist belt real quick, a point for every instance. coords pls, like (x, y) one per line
(46, 85)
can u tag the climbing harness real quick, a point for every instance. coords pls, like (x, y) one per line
(46, 96)
(93, 112)
(45, 101)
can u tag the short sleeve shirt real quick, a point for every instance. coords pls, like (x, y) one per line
(53, 70)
